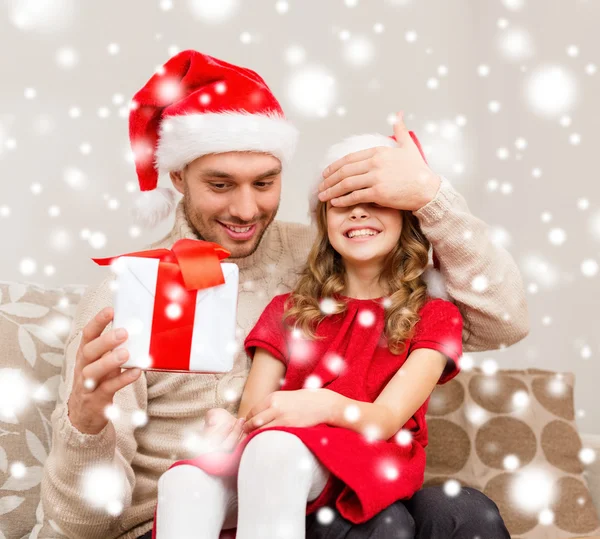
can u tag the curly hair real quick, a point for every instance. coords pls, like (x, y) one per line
(324, 276)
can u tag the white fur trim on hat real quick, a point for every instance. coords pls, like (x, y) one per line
(187, 137)
(349, 145)
(152, 207)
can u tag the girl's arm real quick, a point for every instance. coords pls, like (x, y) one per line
(265, 377)
(400, 399)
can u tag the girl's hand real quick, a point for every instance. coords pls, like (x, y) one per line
(222, 431)
(392, 177)
(301, 408)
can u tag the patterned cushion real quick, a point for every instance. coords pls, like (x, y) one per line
(34, 325)
(513, 436)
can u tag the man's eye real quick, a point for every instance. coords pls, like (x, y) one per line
(219, 186)
(263, 184)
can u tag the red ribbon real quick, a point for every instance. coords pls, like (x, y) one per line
(190, 265)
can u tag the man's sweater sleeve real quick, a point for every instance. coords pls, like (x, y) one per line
(65, 489)
(495, 309)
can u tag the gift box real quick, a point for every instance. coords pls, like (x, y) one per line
(178, 306)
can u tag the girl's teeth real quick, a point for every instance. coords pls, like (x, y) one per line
(355, 233)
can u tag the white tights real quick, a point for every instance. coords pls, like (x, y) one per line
(277, 476)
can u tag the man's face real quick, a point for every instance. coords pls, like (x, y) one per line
(231, 198)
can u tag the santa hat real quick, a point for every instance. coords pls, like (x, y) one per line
(196, 105)
(435, 281)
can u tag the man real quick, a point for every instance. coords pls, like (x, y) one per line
(222, 136)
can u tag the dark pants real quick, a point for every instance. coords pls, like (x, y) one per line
(429, 514)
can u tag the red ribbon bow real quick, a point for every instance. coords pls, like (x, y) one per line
(193, 265)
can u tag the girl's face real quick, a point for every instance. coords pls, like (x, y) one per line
(364, 232)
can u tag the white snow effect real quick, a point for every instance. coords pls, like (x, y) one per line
(327, 305)
(335, 364)
(557, 386)
(282, 6)
(452, 488)
(60, 240)
(515, 44)
(312, 91)
(513, 5)
(313, 382)
(475, 414)
(551, 90)
(104, 487)
(546, 517)
(540, 270)
(489, 367)
(27, 266)
(67, 57)
(358, 51)
(589, 267)
(294, 55)
(174, 311)
(573, 51)
(366, 318)
(520, 399)
(372, 433)
(532, 489)
(389, 471)
(480, 283)
(411, 36)
(213, 11)
(325, 516)
(44, 16)
(557, 236)
(139, 418)
(97, 240)
(18, 470)
(511, 462)
(483, 70)
(466, 362)
(112, 412)
(403, 437)
(587, 455)
(500, 237)
(352, 413)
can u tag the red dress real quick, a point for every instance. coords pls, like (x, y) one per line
(366, 477)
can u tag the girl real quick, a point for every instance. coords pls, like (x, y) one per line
(333, 411)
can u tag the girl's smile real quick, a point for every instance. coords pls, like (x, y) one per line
(363, 232)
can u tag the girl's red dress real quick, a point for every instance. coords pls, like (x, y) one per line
(366, 476)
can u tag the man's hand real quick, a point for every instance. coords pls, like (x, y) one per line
(300, 408)
(222, 431)
(98, 374)
(391, 177)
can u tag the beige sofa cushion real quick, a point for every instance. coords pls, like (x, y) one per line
(34, 325)
(513, 436)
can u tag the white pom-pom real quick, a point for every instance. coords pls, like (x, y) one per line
(436, 284)
(152, 207)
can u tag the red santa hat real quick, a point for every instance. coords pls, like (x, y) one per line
(196, 105)
(436, 284)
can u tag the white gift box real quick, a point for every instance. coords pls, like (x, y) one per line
(213, 346)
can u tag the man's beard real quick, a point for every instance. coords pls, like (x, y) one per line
(202, 228)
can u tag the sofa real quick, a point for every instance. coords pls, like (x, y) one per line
(511, 434)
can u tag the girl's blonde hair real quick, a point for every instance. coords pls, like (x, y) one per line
(401, 277)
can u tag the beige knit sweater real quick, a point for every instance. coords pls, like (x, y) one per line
(175, 403)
